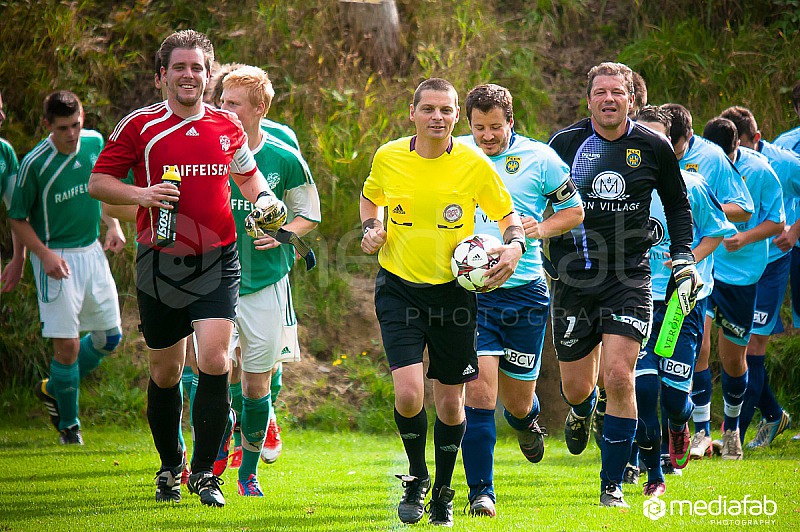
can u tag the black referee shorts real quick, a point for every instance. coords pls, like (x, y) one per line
(175, 291)
(441, 317)
(583, 312)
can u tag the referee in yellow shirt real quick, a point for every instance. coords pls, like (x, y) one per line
(430, 186)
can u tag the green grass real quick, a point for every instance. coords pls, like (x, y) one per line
(344, 481)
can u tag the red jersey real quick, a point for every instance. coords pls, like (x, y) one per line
(205, 147)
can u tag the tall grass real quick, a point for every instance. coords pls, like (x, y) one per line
(706, 56)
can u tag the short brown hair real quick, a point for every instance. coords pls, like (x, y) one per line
(188, 40)
(743, 119)
(434, 84)
(723, 133)
(610, 69)
(61, 103)
(489, 96)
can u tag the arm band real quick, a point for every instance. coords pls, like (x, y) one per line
(515, 233)
(566, 191)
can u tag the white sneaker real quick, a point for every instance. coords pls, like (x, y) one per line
(701, 446)
(731, 445)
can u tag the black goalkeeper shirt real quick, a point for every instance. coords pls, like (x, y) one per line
(616, 180)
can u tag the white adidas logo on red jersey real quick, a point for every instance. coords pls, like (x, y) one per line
(192, 132)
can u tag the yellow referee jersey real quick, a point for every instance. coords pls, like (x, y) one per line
(431, 205)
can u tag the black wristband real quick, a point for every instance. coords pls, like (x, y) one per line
(370, 223)
(515, 233)
(263, 193)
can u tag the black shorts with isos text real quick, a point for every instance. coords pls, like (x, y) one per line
(175, 291)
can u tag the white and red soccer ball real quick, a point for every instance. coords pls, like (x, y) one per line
(470, 261)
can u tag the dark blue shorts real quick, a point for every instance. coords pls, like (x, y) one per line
(439, 317)
(676, 371)
(770, 296)
(511, 325)
(795, 283)
(731, 308)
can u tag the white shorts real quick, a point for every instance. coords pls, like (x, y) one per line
(84, 301)
(266, 328)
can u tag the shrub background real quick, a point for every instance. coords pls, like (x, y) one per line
(706, 56)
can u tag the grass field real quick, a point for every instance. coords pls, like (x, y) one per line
(325, 481)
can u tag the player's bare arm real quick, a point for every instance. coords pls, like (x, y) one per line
(115, 237)
(559, 223)
(765, 229)
(54, 265)
(12, 273)
(735, 213)
(372, 225)
(111, 190)
(509, 254)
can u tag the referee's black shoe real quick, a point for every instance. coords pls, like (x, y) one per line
(206, 485)
(576, 431)
(441, 507)
(411, 506)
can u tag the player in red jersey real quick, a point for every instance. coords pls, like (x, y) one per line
(192, 284)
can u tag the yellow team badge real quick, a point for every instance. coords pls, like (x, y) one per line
(694, 167)
(633, 158)
(512, 164)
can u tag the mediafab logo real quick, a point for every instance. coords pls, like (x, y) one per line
(721, 507)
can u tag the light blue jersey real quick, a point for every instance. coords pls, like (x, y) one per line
(745, 266)
(710, 161)
(708, 221)
(530, 170)
(789, 140)
(786, 164)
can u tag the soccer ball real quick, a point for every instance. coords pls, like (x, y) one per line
(470, 261)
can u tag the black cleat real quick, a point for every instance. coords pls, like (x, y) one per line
(70, 436)
(576, 432)
(531, 441)
(168, 484)
(441, 507)
(206, 485)
(612, 497)
(411, 506)
(49, 401)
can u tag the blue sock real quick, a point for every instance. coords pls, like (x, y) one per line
(664, 426)
(478, 450)
(701, 397)
(618, 433)
(524, 423)
(648, 429)
(677, 406)
(755, 386)
(64, 385)
(769, 405)
(585, 407)
(733, 390)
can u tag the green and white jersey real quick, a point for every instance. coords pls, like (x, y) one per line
(52, 192)
(288, 176)
(8, 171)
(280, 132)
